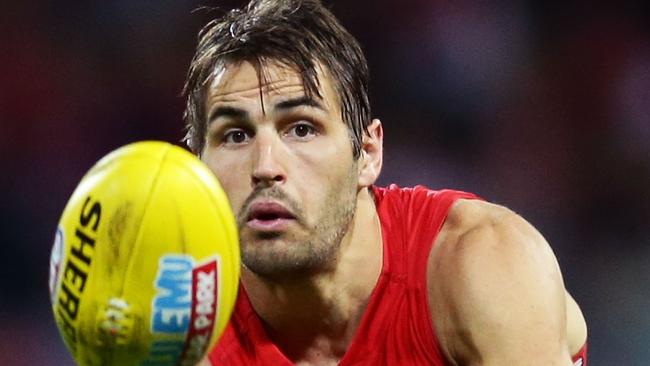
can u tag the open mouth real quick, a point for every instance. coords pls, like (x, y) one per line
(265, 216)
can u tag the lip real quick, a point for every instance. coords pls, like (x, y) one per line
(269, 216)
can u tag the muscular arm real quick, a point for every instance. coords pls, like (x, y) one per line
(496, 291)
(204, 362)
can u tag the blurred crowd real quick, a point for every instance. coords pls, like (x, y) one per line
(543, 106)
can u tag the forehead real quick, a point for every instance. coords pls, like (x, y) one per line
(235, 81)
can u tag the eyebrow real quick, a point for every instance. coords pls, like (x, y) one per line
(241, 114)
(299, 102)
(227, 111)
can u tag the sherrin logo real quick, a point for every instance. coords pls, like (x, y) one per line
(185, 306)
(73, 272)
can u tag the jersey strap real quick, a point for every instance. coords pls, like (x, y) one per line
(580, 359)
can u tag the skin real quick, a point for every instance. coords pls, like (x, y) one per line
(495, 276)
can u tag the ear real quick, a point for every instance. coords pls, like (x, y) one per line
(372, 154)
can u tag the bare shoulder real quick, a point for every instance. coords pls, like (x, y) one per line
(476, 227)
(204, 362)
(496, 291)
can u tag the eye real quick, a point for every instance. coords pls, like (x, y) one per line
(236, 136)
(301, 130)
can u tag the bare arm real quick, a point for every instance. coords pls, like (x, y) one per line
(204, 362)
(496, 292)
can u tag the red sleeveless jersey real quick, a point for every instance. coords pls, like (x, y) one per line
(396, 327)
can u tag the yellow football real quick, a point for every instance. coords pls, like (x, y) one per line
(145, 265)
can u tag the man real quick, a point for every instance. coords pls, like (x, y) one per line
(335, 269)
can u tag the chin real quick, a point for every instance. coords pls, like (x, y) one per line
(281, 259)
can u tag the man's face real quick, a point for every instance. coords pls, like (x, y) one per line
(285, 162)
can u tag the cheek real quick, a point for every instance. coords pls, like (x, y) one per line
(323, 176)
(233, 180)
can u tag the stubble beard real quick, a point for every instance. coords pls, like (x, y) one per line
(314, 249)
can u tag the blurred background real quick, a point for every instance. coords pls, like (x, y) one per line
(543, 106)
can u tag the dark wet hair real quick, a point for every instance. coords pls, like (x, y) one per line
(297, 33)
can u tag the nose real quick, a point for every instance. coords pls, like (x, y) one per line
(268, 163)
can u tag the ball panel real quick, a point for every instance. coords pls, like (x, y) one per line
(124, 182)
(212, 197)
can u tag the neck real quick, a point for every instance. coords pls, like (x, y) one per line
(314, 317)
